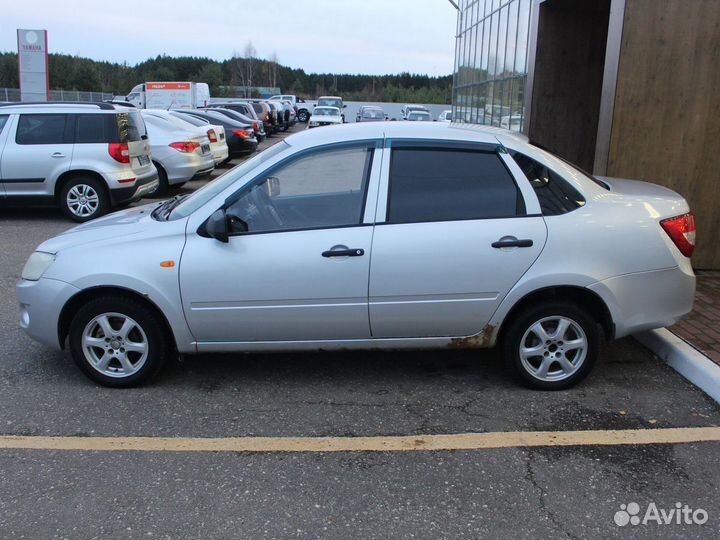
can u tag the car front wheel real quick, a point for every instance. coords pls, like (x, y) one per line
(117, 342)
(553, 346)
(303, 116)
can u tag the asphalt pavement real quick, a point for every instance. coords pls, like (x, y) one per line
(549, 492)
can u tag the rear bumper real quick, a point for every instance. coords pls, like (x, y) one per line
(647, 300)
(247, 146)
(141, 186)
(183, 167)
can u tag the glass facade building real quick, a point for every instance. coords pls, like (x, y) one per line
(491, 62)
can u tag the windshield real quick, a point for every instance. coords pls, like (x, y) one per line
(329, 102)
(448, 115)
(326, 111)
(373, 113)
(209, 190)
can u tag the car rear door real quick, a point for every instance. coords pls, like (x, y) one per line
(453, 235)
(38, 149)
(299, 271)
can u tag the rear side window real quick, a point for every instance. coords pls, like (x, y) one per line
(434, 184)
(555, 194)
(96, 128)
(41, 129)
(3, 121)
(131, 125)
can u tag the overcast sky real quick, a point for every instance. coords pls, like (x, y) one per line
(341, 36)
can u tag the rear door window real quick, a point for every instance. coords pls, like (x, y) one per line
(450, 184)
(41, 129)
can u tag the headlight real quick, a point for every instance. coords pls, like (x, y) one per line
(36, 265)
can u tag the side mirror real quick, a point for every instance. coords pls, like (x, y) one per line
(216, 226)
(344, 106)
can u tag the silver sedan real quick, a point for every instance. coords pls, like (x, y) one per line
(476, 238)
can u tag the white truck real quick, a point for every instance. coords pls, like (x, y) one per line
(169, 95)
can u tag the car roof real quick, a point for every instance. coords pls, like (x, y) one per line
(329, 97)
(363, 131)
(61, 107)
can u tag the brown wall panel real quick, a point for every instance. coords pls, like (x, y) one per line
(666, 122)
(568, 77)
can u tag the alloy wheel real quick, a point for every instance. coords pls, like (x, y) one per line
(82, 200)
(115, 345)
(553, 348)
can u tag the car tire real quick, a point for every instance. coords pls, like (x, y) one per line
(162, 186)
(544, 355)
(303, 116)
(84, 198)
(103, 328)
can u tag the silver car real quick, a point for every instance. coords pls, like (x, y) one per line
(83, 157)
(476, 238)
(179, 155)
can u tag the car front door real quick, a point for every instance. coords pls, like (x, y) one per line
(38, 149)
(453, 236)
(296, 265)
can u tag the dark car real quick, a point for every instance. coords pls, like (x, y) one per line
(370, 113)
(239, 136)
(246, 109)
(283, 119)
(257, 126)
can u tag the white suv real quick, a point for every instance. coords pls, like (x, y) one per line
(83, 157)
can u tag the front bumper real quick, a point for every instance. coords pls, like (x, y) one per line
(41, 303)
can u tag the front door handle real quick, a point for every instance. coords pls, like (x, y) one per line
(347, 252)
(512, 242)
(57, 155)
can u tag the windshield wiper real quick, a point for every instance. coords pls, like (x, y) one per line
(162, 212)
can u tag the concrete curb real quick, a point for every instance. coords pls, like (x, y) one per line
(684, 358)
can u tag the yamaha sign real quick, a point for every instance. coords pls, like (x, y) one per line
(33, 65)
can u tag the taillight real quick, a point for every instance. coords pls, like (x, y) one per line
(119, 152)
(211, 135)
(267, 117)
(681, 230)
(186, 146)
(242, 134)
(255, 127)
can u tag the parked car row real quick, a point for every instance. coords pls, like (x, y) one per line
(89, 157)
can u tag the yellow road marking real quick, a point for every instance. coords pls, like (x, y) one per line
(460, 441)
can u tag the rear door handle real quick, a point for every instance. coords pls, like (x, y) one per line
(512, 242)
(57, 155)
(357, 252)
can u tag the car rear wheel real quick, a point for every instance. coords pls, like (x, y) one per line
(162, 186)
(552, 346)
(303, 116)
(117, 342)
(83, 199)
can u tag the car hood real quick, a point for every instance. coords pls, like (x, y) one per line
(119, 224)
